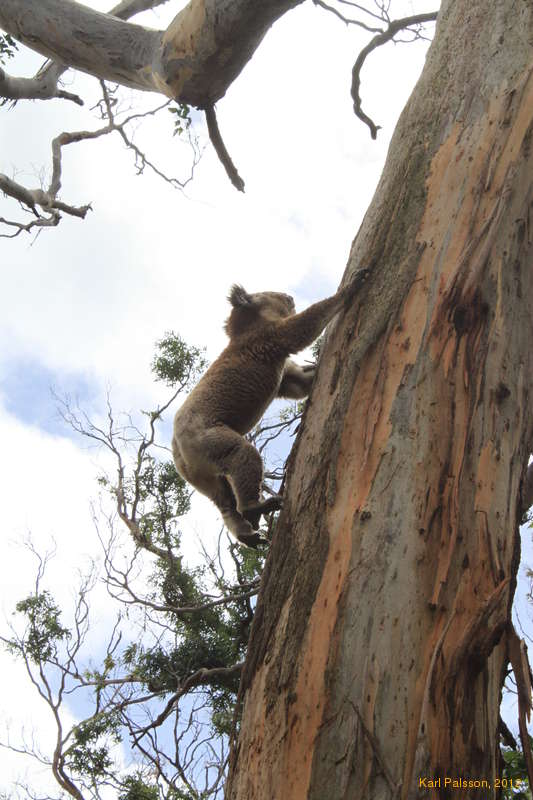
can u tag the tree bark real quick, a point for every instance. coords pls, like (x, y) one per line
(380, 640)
(195, 60)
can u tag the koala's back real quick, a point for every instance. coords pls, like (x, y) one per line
(238, 387)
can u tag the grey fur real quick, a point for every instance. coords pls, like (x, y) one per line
(208, 444)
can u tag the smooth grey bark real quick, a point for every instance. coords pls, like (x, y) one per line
(43, 86)
(78, 36)
(195, 60)
(129, 8)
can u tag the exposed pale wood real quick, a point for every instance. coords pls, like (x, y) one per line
(398, 542)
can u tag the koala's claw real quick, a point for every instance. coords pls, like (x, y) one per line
(360, 277)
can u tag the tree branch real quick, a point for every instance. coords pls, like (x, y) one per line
(80, 37)
(220, 148)
(346, 20)
(377, 41)
(199, 678)
(129, 8)
(527, 490)
(47, 199)
(522, 672)
(195, 59)
(43, 86)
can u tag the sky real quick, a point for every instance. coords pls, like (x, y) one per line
(82, 305)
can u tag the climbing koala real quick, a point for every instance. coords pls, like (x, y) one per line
(208, 444)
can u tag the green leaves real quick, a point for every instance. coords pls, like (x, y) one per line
(7, 47)
(514, 781)
(44, 630)
(134, 788)
(176, 361)
(182, 627)
(89, 754)
(182, 118)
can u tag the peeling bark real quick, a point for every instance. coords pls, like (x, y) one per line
(381, 634)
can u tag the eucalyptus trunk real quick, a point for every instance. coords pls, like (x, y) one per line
(381, 636)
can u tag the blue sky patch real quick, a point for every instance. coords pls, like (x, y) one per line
(28, 387)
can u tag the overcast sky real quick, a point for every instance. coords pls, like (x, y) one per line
(83, 304)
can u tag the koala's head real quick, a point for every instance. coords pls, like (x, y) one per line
(250, 309)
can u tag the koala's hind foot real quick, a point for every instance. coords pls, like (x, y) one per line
(252, 540)
(253, 512)
(242, 529)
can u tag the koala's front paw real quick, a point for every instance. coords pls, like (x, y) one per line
(356, 282)
(361, 275)
(358, 278)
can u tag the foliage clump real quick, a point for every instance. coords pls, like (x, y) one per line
(8, 46)
(44, 630)
(164, 685)
(177, 362)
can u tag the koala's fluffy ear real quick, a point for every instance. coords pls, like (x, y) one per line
(239, 297)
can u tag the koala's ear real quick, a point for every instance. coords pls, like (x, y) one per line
(239, 297)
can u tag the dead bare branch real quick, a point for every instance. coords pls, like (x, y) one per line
(43, 86)
(382, 15)
(381, 38)
(42, 222)
(220, 148)
(346, 20)
(522, 672)
(47, 199)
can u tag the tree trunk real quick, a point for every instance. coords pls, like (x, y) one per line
(195, 60)
(379, 645)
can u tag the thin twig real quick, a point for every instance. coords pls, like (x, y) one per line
(346, 20)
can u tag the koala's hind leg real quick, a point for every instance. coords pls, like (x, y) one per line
(224, 499)
(219, 491)
(241, 464)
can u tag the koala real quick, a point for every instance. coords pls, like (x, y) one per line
(208, 444)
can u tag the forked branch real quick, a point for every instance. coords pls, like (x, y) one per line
(39, 200)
